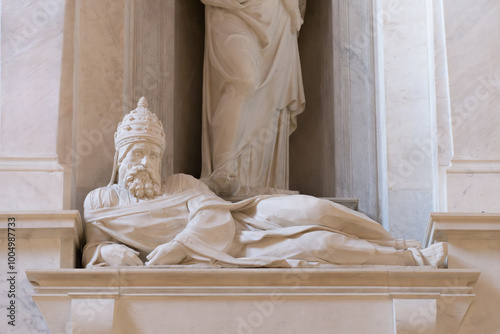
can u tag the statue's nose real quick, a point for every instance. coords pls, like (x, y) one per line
(145, 161)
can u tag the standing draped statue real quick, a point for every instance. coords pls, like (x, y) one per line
(252, 94)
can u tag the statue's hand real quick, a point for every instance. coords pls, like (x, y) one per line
(292, 6)
(120, 255)
(297, 21)
(169, 253)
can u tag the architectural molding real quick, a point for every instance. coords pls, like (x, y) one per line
(253, 298)
(355, 144)
(30, 164)
(473, 242)
(456, 225)
(470, 166)
(64, 224)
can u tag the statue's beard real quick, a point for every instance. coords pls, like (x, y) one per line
(142, 182)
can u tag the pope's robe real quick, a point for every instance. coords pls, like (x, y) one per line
(263, 231)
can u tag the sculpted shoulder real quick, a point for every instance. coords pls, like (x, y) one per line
(182, 182)
(104, 197)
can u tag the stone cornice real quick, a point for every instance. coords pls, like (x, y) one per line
(40, 224)
(443, 226)
(30, 164)
(179, 280)
(463, 165)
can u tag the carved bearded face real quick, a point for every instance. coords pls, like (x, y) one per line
(139, 169)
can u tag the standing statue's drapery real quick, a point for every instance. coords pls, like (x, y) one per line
(252, 94)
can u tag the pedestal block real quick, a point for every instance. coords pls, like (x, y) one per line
(33, 239)
(474, 242)
(177, 299)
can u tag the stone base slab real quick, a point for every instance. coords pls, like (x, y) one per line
(374, 299)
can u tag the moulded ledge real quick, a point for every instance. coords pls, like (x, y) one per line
(39, 224)
(196, 276)
(462, 225)
(374, 299)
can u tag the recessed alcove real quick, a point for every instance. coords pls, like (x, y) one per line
(333, 151)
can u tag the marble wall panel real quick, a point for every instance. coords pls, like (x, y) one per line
(150, 64)
(473, 45)
(32, 39)
(311, 145)
(99, 67)
(408, 53)
(31, 49)
(165, 64)
(32, 190)
(259, 314)
(355, 109)
(334, 150)
(470, 188)
(445, 140)
(65, 121)
(443, 107)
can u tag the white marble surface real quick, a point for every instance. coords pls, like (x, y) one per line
(405, 320)
(354, 131)
(32, 36)
(150, 68)
(408, 70)
(320, 300)
(31, 62)
(474, 72)
(33, 183)
(473, 241)
(99, 68)
(443, 107)
(43, 240)
(471, 184)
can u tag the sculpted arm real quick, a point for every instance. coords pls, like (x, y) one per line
(209, 233)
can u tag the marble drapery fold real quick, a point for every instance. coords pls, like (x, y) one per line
(252, 95)
(263, 231)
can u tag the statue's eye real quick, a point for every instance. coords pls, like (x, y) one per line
(153, 156)
(139, 154)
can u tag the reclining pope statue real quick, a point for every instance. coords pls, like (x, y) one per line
(138, 220)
